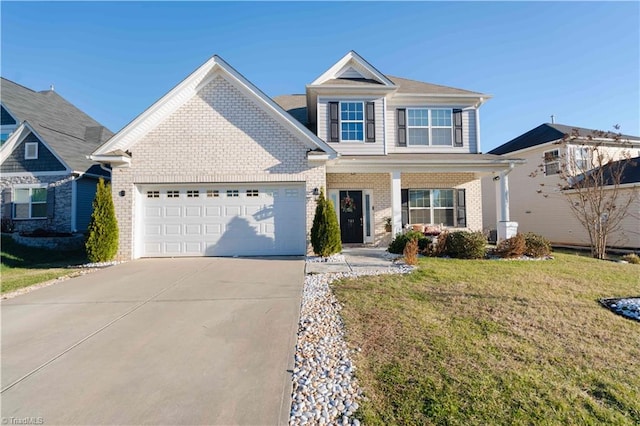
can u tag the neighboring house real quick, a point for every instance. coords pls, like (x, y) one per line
(543, 209)
(217, 168)
(46, 180)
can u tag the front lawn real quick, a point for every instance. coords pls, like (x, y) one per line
(466, 342)
(23, 266)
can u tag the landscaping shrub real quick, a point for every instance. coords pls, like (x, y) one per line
(632, 258)
(465, 245)
(401, 240)
(102, 235)
(411, 252)
(325, 232)
(436, 246)
(512, 247)
(536, 245)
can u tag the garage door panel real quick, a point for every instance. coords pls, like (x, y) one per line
(173, 211)
(259, 220)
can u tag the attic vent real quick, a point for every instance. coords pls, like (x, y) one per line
(350, 73)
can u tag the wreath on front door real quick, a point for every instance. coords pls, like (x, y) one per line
(347, 205)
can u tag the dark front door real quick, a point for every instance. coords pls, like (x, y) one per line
(351, 216)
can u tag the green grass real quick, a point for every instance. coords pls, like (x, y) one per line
(23, 266)
(465, 342)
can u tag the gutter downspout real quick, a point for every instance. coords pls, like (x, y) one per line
(384, 125)
(478, 145)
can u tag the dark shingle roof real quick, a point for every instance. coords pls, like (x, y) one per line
(66, 129)
(544, 133)
(630, 172)
(413, 86)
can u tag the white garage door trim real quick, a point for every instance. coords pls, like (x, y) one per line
(221, 220)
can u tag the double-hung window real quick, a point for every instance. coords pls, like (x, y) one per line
(581, 159)
(552, 162)
(431, 206)
(30, 203)
(352, 121)
(429, 126)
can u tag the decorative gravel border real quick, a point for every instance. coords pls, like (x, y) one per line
(325, 390)
(628, 307)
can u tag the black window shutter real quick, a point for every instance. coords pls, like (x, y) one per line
(461, 209)
(371, 122)
(334, 128)
(457, 127)
(404, 196)
(7, 206)
(51, 202)
(402, 127)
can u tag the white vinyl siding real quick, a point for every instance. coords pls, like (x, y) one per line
(468, 132)
(353, 147)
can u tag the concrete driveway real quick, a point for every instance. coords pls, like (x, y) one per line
(155, 341)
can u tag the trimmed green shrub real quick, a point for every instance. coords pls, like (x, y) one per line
(401, 240)
(325, 232)
(102, 235)
(631, 258)
(411, 252)
(536, 245)
(512, 247)
(465, 245)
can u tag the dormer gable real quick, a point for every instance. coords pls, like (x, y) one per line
(352, 68)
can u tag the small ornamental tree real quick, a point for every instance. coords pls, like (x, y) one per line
(591, 173)
(102, 235)
(325, 232)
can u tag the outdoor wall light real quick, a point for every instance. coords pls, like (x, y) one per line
(316, 192)
(496, 178)
(121, 193)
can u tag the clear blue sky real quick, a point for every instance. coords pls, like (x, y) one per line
(579, 61)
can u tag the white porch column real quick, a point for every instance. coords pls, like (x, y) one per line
(396, 203)
(506, 229)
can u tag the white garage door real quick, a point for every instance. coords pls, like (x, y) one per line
(223, 220)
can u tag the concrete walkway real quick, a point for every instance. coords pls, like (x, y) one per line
(357, 259)
(156, 341)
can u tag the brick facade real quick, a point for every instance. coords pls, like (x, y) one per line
(61, 220)
(380, 185)
(220, 135)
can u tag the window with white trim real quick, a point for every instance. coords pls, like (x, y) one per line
(31, 150)
(30, 203)
(213, 193)
(173, 194)
(426, 126)
(232, 193)
(193, 193)
(352, 121)
(582, 159)
(432, 206)
(153, 194)
(551, 162)
(253, 192)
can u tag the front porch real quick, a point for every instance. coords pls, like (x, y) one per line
(436, 189)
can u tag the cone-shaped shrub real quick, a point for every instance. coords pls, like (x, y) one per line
(102, 236)
(325, 232)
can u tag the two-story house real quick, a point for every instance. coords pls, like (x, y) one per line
(539, 204)
(47, 181)
(216, 167)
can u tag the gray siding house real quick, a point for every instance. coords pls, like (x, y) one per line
(46, 180)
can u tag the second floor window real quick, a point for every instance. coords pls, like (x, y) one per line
(581, 160)
(352, 121)
(551, 162)
(429, 127)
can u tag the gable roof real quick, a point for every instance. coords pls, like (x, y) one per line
(188, 88)
(544, 133)
(352, 68)
(66, 130)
